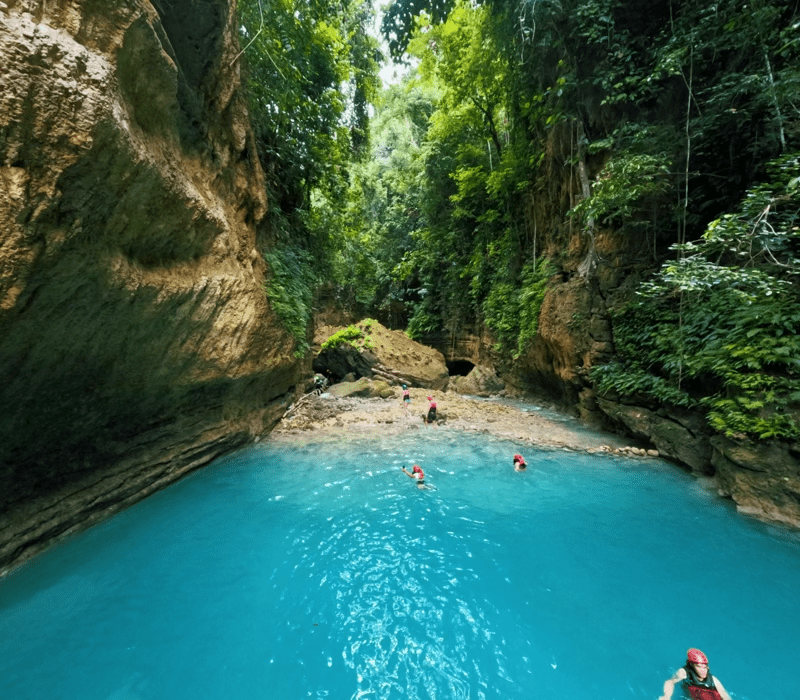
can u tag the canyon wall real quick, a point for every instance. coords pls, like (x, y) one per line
(136, 341)
(575, 334)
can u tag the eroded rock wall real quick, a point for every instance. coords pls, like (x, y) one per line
(136, 342)
(575, 334)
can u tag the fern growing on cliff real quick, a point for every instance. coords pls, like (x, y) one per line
(289, 290)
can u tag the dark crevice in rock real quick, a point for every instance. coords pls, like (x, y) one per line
(459, 368)
(195, 32)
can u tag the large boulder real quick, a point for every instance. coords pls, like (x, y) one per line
(481, 381)
(368, 349)
(364, 388)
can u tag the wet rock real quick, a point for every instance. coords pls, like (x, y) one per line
(680, 436)
(481, 381)
(763, 479)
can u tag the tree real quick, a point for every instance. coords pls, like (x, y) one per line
(311, 70)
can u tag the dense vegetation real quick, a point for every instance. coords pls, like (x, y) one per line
(312, 71)
(718, 326)
(525, 124)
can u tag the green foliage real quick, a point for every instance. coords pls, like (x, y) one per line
(423, 322)
(511, 311)
(357, 336)
(535, 276)
(348, 335)
(382, 206)
(468, 188)
(297, 57)
(724, 336)
(289, 290)
(501, 313)
(638, 384)
(399, 20)
(311, 71)
(624, 186)
(765, 232)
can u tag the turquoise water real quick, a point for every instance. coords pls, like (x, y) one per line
(324, 572)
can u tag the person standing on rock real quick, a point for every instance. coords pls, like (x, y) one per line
(431, 411)
(698, 683)
(406, 398)
(519, 463)
(417, 474)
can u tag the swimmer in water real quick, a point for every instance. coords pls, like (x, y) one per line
(519, 463)
(417, 474)
(696, 679)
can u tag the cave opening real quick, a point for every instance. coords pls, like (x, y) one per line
(460, 368)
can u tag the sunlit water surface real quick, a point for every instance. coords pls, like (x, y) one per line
(324, 572)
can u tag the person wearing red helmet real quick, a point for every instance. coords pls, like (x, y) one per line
(519, 463)
(417, 474)
(696, 679)
(431, 418)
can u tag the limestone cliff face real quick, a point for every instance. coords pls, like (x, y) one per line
(575, 334)
(136, 342)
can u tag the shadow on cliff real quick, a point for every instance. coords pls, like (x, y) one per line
(97, 371)
(136, 340)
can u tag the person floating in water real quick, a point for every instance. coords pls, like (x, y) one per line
(519, 463)
(417, 474)
(431, 411)
(406, 397)
(697, 680)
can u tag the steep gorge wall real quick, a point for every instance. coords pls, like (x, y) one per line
(136, 341)
(575, 334)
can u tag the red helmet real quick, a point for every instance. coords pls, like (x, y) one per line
(695, 656)
(416, 468)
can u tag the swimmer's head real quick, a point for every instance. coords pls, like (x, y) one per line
(695, 656)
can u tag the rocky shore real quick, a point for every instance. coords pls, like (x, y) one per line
(328, 418)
